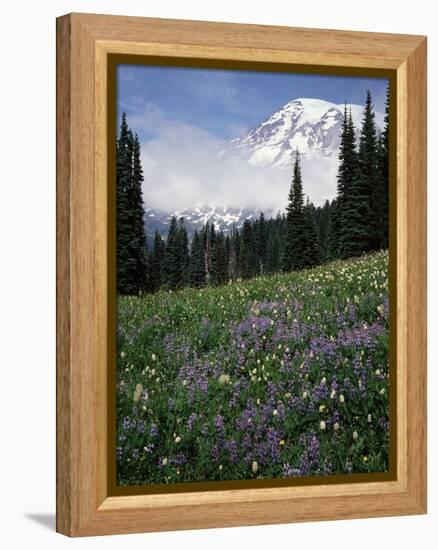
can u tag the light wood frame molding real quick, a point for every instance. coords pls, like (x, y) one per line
(83, 44)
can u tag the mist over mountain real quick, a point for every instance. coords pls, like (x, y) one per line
(225, 183)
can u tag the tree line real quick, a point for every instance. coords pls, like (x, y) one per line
(356, 221)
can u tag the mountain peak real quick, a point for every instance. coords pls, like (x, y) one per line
(310, 125)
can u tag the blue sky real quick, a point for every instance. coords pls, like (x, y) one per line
(227, 103)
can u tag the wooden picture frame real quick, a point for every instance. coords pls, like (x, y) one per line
(84, 42)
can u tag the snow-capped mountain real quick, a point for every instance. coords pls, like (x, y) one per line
(223, 218)
(312, 126)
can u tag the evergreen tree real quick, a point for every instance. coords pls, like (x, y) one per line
(355, 212)
(311, 255)
(184, 246)
(197, 262)
(294, 244)
(221, 259)
(214, 261)
(206, 242)
(233, 259)
(333, 239)
(347, 157)
(139, 242)
(227, 256)
(123, 181)
(255, 242)
(156, 262)
(367, 179)
(131, 244)
(353, 204)
(281, 228)
(381, 195)
(272, 263)
(247, 257)
(262, 242)
(173, 261)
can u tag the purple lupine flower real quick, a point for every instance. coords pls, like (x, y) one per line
(288, 471)
(314, 450)
(191, 421)
(219, 424)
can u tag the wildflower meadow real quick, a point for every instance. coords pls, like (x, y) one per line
(279, 376)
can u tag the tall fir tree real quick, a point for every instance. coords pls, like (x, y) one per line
(367, 179)
(197, 262)
(184, 246)
(131, 245)
(139, 244)
(227, 255)
(294, 244)
(206, 243)
(347, 172)
(351, 203)
(221, 259)
(311, 253)
(213, 257)
(381, 196)
(233, 258)
(355, 212)
(123, 230)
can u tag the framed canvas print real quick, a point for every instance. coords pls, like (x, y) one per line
(241, 277)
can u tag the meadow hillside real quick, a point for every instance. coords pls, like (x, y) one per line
(278, 376)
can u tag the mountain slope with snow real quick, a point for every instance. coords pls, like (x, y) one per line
(224, 218)
(312, 126)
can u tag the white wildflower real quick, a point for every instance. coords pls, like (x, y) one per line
(224, 379)
(137, 393)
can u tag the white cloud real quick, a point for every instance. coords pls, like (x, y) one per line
(319, 177)
(183, 166)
